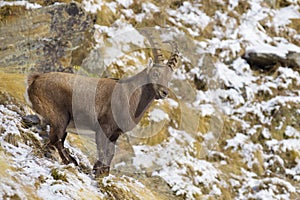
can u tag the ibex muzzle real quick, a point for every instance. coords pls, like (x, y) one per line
(115, 106)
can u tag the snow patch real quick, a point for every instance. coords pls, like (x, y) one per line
(158, 115)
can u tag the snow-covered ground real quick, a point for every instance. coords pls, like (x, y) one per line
(239, 138)
(51, 179)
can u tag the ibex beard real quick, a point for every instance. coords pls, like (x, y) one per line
(109, 107)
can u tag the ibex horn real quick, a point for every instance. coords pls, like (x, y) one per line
(157, 54)
(173, 60)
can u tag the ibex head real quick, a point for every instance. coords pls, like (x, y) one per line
(159, 73)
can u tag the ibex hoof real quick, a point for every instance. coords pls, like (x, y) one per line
(72, 159)
(67, 158)
(101, 170)
(54, 152)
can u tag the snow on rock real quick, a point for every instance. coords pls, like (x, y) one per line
(266, 188)
(189, 14)
(27, 4)
(282, 16)
(126, 3)
(262, 48)
(281, 49)
(121, 36)
(292, 132)
(8, 120)
(37, 172)
(158, 115)
(92, 6)
(150, 7)
(173, 161)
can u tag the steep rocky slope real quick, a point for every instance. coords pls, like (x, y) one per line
(51, 38)
(229, 130)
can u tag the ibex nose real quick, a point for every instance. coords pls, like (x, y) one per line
(163, 93)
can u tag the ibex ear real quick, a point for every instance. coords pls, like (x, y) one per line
(150, 64)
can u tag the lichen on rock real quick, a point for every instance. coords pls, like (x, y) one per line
(45, 39)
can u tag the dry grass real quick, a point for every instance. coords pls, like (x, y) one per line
(106, 17)
(50, 2)
(153, 188)
(287, 32)
(210, 7)
(9, 12)
(6, 179)
(13, 84)
(4, 160)
(295, 24)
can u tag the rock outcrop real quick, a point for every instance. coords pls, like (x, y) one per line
(267, 60)
(45, 39)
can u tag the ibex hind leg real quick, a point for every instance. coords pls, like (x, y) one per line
(57, 137)
(64, 153)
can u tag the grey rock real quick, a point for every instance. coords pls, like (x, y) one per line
(293, 59)
(47, 39)
(30, 120)
(266, 61)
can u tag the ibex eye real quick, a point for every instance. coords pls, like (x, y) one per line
(155, 75)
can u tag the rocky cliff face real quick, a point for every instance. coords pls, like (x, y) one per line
(45, 38)
(229, 130)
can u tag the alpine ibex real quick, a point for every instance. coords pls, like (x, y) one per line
(107, 106)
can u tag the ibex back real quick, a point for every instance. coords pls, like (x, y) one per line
(107, 106)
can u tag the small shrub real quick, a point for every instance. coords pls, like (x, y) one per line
(57, 175)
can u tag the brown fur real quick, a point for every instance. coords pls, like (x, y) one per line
(31, 78)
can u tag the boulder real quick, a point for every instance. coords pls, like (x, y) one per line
(266, 60)
(262, 60)
(45, 39)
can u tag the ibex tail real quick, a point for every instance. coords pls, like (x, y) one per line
(31, 78)
(29, 82)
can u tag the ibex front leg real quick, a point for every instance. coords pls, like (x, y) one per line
(106, 151)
